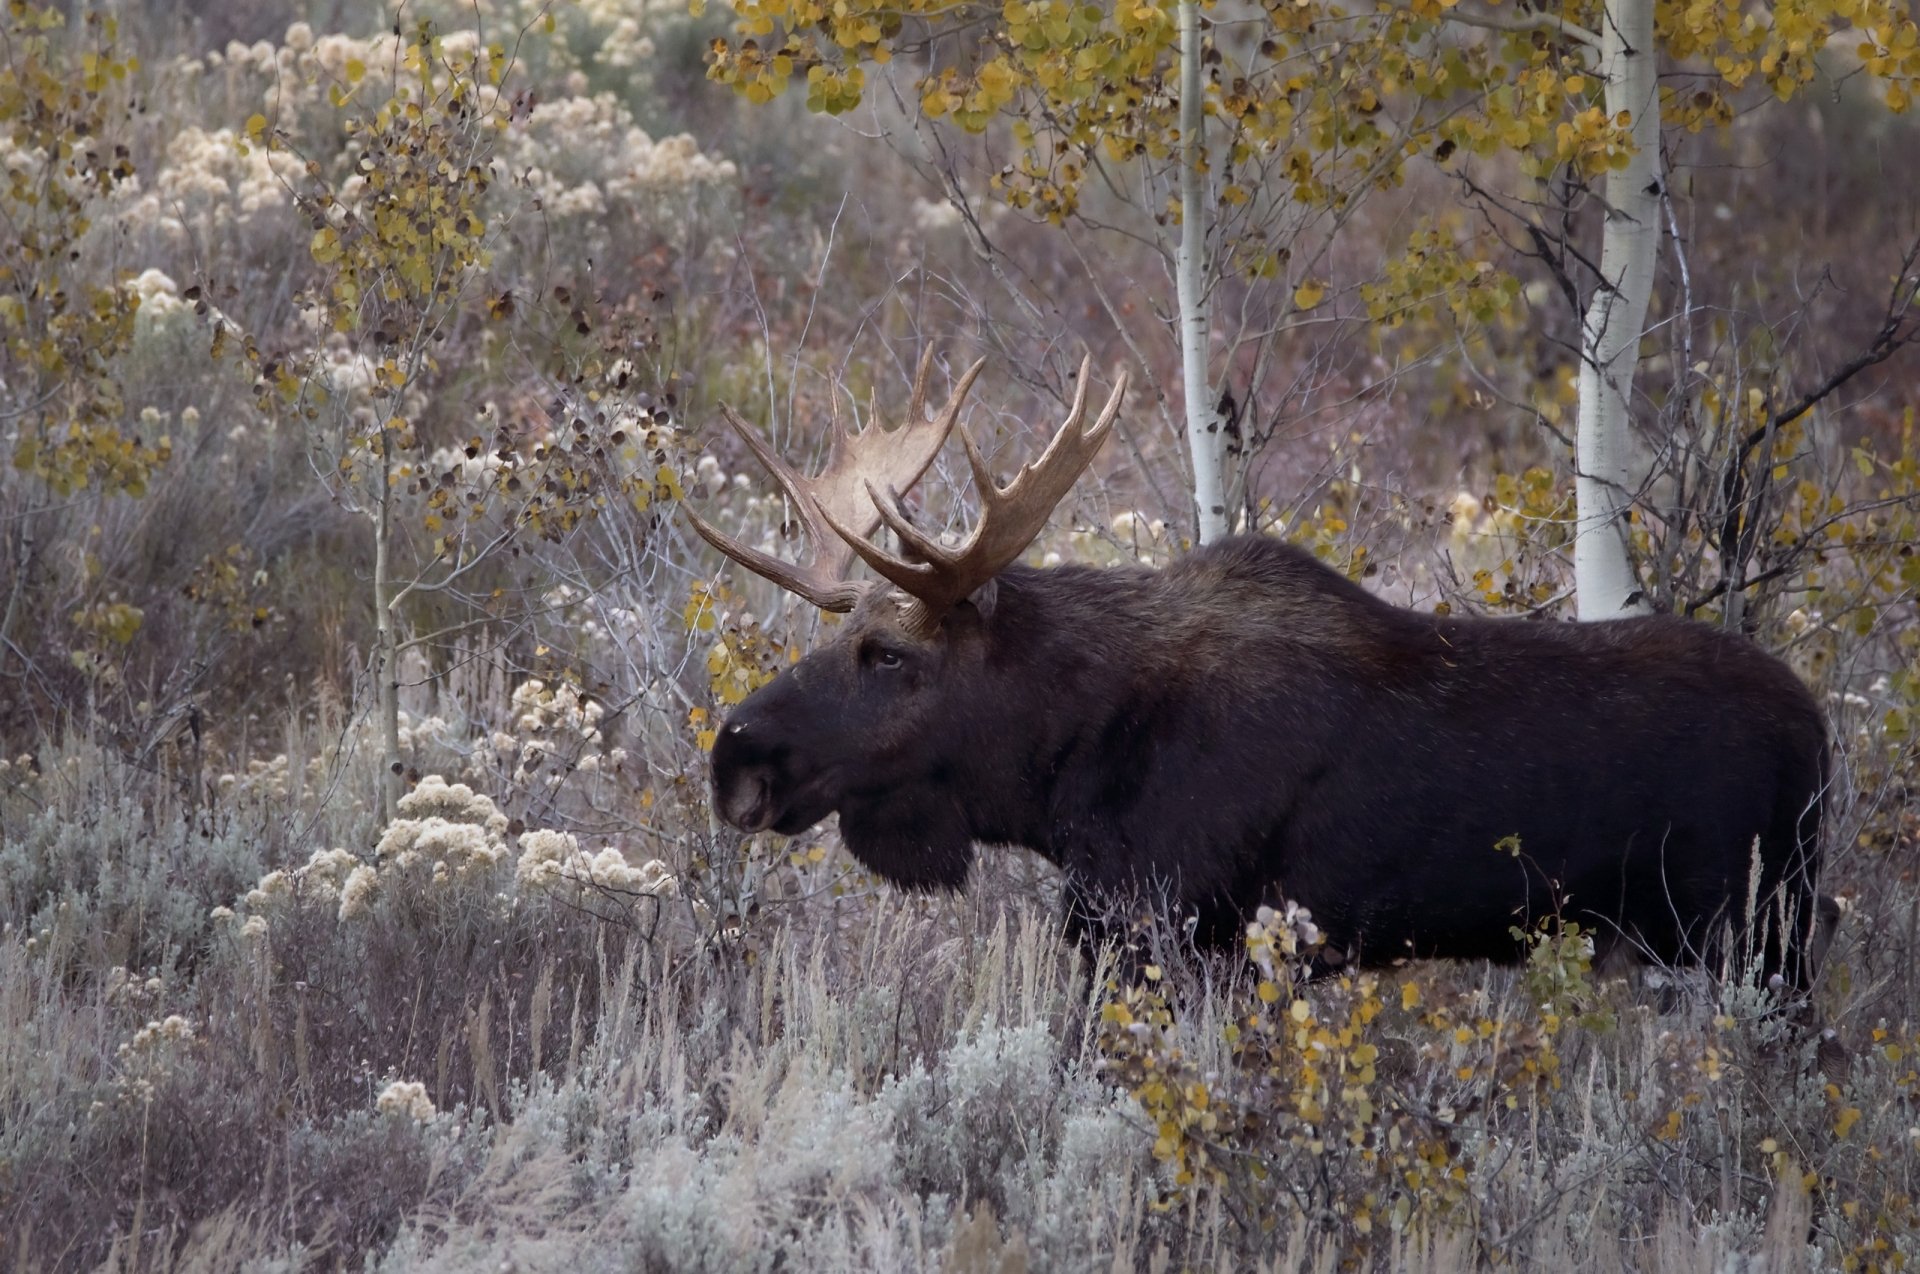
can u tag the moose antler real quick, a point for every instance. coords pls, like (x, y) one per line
(839, 507)
(1010, 516)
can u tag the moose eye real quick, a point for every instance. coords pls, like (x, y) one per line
(880, 657)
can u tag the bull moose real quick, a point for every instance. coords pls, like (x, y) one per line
(1246, 724)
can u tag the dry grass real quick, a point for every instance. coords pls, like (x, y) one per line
(850, 1079)
(777, 1062)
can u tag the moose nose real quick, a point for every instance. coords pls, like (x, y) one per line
(742, 780)
(745, 798)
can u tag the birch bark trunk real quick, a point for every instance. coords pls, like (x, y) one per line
(1616, 317)
(387, 637)
(1205, 439)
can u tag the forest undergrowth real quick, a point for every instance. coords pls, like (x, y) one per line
(361, 902)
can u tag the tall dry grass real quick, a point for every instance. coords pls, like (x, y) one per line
(755, 1056)
(847, 1077)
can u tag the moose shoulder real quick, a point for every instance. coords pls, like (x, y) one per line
(1246, 725)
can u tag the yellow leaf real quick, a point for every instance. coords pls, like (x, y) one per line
(325, 246)
(356, 70)
(1309, 294)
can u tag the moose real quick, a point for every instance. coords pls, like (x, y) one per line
(1246, 725)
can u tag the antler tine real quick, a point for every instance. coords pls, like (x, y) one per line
(820, 580)
(798, 489)
(916, 415)
(917, 402)
(838, 507)
(807, 582)
(1010, 516)
(892, 459)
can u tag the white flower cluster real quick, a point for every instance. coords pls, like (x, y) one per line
(26, 161)
(1273, 936)
(1482, 538)
(325, 872)
(447, 837)
(351, 380)
(471, 473)
(624, 46)
(456, 850)
(415, 733)
(1802, 620)
(19, 772)
(274, 887)
(457, 830)
(406, 1099)
(207, 194)
(616, 27)
(347, 374)
(535, 753)
(149, 1056)
(155, 1036)
(122, 986)
(334, 878)
(586, 160)
(552, 721)
(550, 859)
(932, 216)
(271, 778)
(1139, 539)
(556, 710)
(434, 796)
(159, 298)
(357, 892)
(708, 475)
(292, 81)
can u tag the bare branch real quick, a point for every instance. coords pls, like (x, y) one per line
(1526, 23)
(1895, 334)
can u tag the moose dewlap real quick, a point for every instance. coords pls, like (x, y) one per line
(1246, 725)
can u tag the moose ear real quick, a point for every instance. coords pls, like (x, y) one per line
(982, 598)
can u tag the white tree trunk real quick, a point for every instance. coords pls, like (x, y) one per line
(1610, 333)
(387, 637)
(1204, 436)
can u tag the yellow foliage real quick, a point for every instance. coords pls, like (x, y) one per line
(1081, 78)
(64, 106)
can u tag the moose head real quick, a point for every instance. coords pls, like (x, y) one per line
(862, 724)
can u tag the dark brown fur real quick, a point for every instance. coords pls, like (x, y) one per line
(1247, 725)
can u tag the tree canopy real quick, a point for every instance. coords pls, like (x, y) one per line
(1335, 95)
